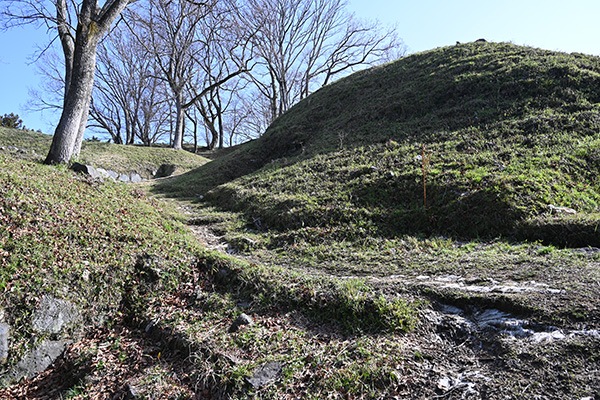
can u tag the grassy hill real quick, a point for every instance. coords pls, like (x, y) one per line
(319, 232)
(507, 132)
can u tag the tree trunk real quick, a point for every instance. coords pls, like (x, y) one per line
(82, 127)
(69, 132)
(180, 116)
(220, 117)
(80, 66)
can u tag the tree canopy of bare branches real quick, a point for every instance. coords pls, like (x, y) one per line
(229, 66)
(303, 44)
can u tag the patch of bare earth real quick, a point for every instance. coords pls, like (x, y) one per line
(470, 349)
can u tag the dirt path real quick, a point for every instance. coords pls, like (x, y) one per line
(477, 348)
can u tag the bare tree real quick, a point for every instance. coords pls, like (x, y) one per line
(225, 56)
(80, 26)
(181, 34)
(128, 99)
(303, 44)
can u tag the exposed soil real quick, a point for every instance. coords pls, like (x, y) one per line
(470, 349)
(474, 350)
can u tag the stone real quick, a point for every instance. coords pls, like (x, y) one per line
(86, 169)
(561, 210)
(36, 360)
(135, 178)
(150, 267)
(124, 178)
(104, 173)
(112, 174)
(132, 392)
(588, 251)
(243, 319)
(4, 335)
(53, 315)
(265, 374)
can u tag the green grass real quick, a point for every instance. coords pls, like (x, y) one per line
(119, 255)
(27, 140)
(140, 159)
(119, 158)
(336, 185)
(77, 239)
(335, 247)
(507, 131)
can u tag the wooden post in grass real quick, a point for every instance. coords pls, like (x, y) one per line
(425, 162)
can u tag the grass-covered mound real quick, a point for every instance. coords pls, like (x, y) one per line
(143, 160)
(492, 137)
(24, 139)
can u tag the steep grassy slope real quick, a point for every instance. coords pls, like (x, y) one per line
(500, 134)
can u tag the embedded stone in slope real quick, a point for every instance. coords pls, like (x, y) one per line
(53, 315)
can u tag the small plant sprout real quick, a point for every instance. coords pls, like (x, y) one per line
(342, 135)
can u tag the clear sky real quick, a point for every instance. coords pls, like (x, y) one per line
(564, 25)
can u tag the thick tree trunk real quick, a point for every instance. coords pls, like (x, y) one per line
(80, 67)
(82, 127)
(69, 132)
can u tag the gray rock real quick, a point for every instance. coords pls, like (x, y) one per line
(36, 360)
(554, 210)
(135, 178)
(113, 174)
(243, 319)
(124, 178)
(132, 392)
(105, 175)
(86, 169)
(4, 335)
(265, 374)
(150, 267)
(53, 315)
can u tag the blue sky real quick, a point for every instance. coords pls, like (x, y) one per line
(570, 26)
